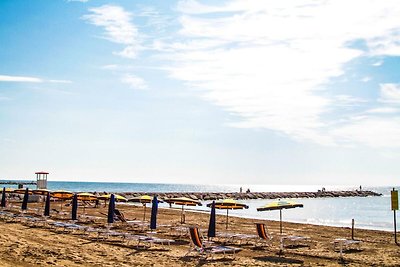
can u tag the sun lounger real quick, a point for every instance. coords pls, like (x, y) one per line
(343, 244)
(294, 240)
(238, 238)
(205, 250)
(150, 240)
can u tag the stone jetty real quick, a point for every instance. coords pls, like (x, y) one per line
(255, 195)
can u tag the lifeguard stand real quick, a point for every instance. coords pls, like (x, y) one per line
(41, 180)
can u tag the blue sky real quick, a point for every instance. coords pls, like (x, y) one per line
(243, 92)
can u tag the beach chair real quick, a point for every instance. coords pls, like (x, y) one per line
(264, 236)
(206, 249)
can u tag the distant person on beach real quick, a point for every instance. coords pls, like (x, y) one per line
(241, 189)
(248, 190)
(360, 188)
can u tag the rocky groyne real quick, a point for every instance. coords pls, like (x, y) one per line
(256, 195)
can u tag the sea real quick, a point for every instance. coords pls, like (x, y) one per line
(368, 212)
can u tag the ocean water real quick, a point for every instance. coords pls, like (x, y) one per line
(368, 212)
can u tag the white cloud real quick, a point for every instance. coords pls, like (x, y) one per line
(268, 61)
(7, 78)
(373, 131)
(134, 81)
(390, 93)
(384, 110)
(60, 81)
(118, 27)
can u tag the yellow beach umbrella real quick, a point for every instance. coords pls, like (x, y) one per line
(228, 204)
(144, 199)
(22, 191)
(118, 198)
(280, 205)
(183, 201)
(42, 192)
(9, 190)
(63, 195)
(86, 197)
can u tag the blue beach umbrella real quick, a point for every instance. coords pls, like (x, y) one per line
(74, 214)
(25, 200)
(111, 209)
(47, 205)
(3, 198)
(211, 225)
(154, 208)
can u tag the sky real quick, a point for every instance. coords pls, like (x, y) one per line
(207, 92)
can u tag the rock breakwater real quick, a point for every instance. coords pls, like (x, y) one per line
(255, 195)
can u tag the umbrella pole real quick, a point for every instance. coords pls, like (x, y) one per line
(227, 216)
(182, 216)
(144, 212)
(280, 217)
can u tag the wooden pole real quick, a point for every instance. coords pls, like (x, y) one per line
(227, 216)
(280, 217)
(352, 229)
(395, 230)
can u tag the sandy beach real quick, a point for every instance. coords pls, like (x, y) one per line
(38, 244)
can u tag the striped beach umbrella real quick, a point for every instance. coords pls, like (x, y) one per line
(183, 201)
(228, 204)
(280, 205)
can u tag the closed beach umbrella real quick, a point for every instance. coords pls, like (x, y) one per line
(183, 201)
(228, 204)
(211, 225)
(25, 200)
(111, 209)
(74, 215)
(3, 198)
(154, 209)
(47, 205)
(280, 205)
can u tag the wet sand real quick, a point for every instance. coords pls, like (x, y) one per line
(34, 245)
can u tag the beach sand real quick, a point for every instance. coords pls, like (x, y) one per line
(24, 245)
